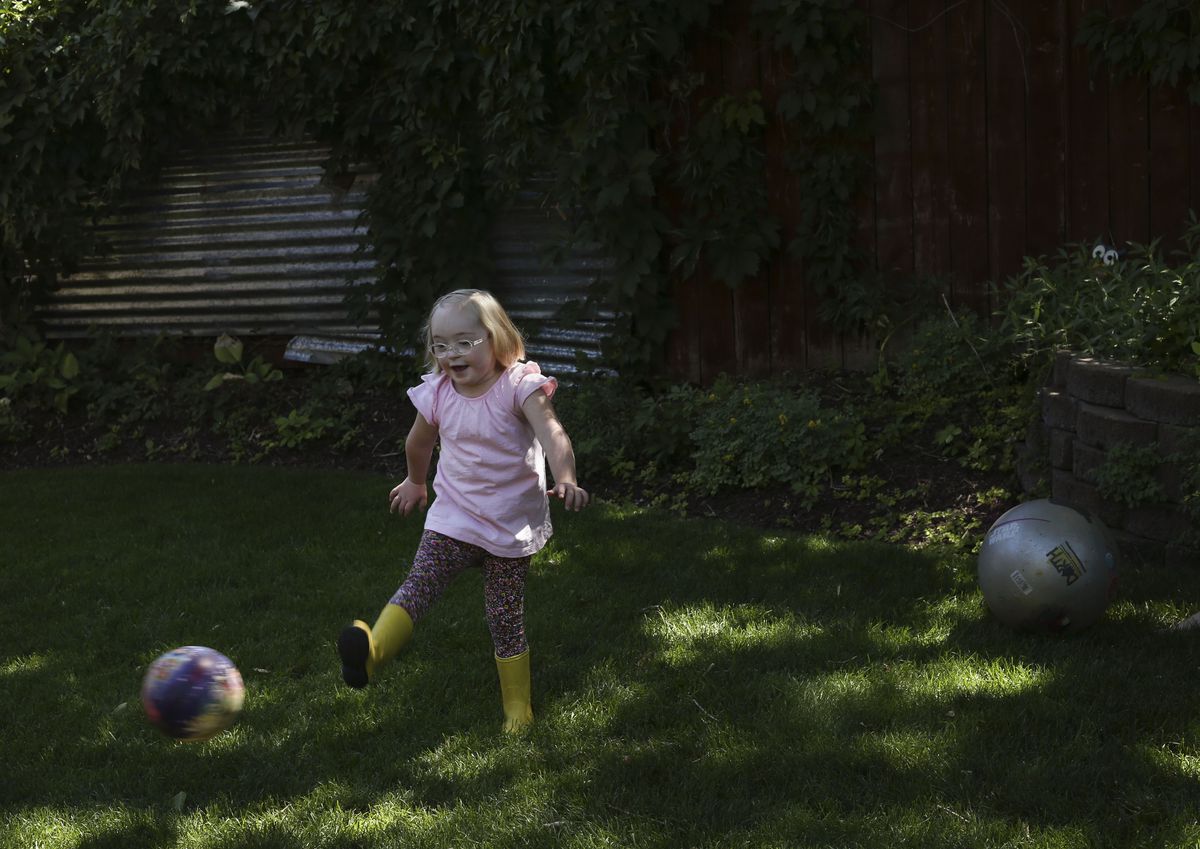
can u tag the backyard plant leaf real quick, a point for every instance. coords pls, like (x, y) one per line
(69, 366)
(227, 349)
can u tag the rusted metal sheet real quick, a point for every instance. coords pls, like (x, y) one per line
(533, 289)
(243, 235)
(247, 235)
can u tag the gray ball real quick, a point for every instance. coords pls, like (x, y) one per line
(1048, 567)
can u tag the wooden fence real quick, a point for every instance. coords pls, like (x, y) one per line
(995, 141)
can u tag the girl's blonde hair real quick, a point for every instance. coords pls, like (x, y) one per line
(508, 345)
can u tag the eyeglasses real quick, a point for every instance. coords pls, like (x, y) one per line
(460, 348)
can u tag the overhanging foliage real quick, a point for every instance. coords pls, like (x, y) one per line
(455, 104)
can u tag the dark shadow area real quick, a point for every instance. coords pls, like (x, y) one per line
(146, 829)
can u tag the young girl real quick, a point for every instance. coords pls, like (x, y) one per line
(492, 414)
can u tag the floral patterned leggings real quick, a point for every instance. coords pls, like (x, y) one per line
(440, 559)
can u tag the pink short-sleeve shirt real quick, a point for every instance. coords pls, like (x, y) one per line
(490, 484)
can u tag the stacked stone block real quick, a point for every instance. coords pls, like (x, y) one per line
(1091, 405)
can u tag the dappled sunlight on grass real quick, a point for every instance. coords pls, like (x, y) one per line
(464, 757)
(111, 825)
(26, 665)
(683, 634)
(941, 616)
(770, 544)
(1160, 613)
(1187, 766)
(818, 543)
(718, 554)
(1173, 760)
(826, 701)
(887, 640)
(330, 811)
(921, 754)
(334, 807)
(929, 822)
(953, 676)
(774, 548)
(392, 813)
(549, 557)
(695, 684)
(686, 634)
(925, 699)
(594, 709)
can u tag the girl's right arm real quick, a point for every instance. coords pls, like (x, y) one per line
(412, 493)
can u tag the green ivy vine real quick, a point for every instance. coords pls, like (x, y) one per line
(1158, 41)
(454, 104)
(827, 106)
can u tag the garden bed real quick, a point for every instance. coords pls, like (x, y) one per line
(907, 492)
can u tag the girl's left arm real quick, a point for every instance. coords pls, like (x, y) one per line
(559, 453)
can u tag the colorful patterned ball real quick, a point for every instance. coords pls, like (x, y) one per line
(192, 693)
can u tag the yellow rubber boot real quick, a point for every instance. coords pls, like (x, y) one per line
(363, 650)
(514, 691)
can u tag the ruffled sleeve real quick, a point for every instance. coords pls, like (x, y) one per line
(424, 396)
(527, 378)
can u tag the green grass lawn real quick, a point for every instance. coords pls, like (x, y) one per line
(695, 684)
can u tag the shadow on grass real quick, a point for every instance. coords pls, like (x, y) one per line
(142, 829)
(887, 686)
(693, 681)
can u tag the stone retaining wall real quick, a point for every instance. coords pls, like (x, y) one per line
(1090, 405)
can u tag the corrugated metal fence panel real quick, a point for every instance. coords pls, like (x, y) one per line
(245, 235)
(240, 236)
(533, 290)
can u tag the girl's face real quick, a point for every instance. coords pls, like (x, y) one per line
(474, 372)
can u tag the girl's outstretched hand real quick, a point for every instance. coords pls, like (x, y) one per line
(407, 497)
(574, 497)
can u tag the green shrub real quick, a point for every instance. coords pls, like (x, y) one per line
(955, 390)
(758, 434)
(939, 367)
(742, 435)
(313, 423)
(300, 427)
(229, 352)
(128, 381)
(1141, 310)
(38, 375)
(621, 428)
